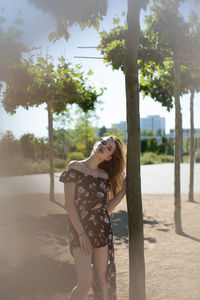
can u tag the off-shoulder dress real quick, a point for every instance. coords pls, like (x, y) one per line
(90, 200)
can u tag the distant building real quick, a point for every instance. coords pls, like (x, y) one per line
(185, 133)
(120, 125)
(154, 123)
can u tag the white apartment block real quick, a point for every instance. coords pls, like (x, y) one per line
(153, 122)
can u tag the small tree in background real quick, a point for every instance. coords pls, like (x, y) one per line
(8, 145)
(85, 135)
(58, 87)
(192, 82)
(27, 145)
(102, 131)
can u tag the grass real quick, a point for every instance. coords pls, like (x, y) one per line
(17, 165)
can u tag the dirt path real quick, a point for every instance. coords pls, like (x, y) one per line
(35, 263)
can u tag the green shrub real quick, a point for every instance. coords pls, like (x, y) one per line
(59, 163)
(148, 158)
(17, 165)
(153, 158)
(197, 157)
(166, 158)
(186, 158)
(152, 144)
(144, 144)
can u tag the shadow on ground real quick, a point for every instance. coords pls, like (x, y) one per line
(120, 227)
(190, 237)
(48, 226)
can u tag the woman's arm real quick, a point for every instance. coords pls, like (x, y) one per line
(111, 204)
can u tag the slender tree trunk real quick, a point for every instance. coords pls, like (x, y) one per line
(87, 150)
(134, 198)
(51, 171)
(181, 133)
(191, 185)
(177, 183)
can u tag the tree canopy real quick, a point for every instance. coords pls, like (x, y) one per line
(66, 12)
(33, 83)
(11, 47)
(167, 36)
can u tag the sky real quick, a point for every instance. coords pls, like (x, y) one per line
(36, 28)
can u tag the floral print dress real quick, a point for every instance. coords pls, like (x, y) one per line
(90, 200)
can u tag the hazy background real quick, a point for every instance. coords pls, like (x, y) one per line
(36, 29)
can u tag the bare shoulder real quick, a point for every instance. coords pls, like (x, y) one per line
(73, 164)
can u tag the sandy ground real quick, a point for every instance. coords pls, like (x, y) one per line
(35, 263)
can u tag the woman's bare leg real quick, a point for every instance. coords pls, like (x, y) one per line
(100, 261)
(84, 275)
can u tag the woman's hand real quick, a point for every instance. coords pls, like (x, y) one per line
(85, 244)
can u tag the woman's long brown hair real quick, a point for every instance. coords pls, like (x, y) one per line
(116, 166)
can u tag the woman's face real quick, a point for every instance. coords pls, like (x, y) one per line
(104, 148)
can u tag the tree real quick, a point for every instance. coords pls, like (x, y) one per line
(134, 199)
(168, 30)
(191, 184)
(152, 144)
(27, 145)
(67, 12)
(160, 132)
(112, 46)
(84, 133)
(144, 143)
(57, 87)
(162, 145)
(164, 47)
(183, 46)
(102, 131)
(194, 86)
(148, 132)
(9, 154)
(8, 145)
(192, 79)
(11, 48)
(41, 146)
(60, 143)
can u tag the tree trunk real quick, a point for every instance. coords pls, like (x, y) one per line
(181, 132)
(134, 199)
(191, 185)
(51, 171)
(87, 148)
(177, 195)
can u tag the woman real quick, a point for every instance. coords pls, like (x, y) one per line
(93, 188)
